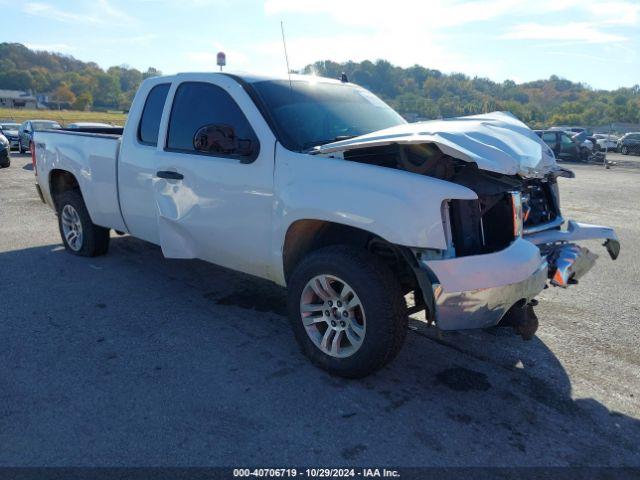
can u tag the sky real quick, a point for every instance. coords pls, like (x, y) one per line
(591, 41)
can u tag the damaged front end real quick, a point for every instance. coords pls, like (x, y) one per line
(504, 247)
(505, 279)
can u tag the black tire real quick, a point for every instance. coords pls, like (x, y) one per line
(20, 148)
(95, 239)
(381, 299)
(624, 150)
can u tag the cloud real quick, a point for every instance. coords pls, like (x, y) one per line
(584, 32)
(405, 33)
(48, 11)
(615, 13)
(100, 12)
(402, 15)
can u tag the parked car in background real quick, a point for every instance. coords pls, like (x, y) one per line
(25, 132)
(10, 131)
(605, 141)
(5, 159)
(629, 143)
(563, 145)
(573, 130)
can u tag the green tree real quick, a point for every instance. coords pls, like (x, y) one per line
(107, 94)
(84, 101)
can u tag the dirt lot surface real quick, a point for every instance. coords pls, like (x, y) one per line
(132, 359)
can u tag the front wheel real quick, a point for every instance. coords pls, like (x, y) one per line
(347, 311)
(80, 235)
(624, 150)
(20, 147)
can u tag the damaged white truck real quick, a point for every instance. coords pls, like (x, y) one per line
(321, 187)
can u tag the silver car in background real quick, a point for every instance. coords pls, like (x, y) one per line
(10, 132)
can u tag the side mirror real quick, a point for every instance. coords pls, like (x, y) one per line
(27, 131)
(219, 138)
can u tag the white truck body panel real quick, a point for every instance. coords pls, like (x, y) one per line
(400, 207)
(137, 172)
(93, 160)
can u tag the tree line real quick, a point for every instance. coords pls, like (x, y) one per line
(416, 91)
(429, 94)
(68, 81)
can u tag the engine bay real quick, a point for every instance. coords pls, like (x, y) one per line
(489, 223)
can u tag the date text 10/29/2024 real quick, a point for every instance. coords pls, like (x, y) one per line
(316, 472)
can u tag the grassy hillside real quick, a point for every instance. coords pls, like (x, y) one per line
(64, 117)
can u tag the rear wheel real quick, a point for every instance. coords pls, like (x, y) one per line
(347, 311)
(80, 235)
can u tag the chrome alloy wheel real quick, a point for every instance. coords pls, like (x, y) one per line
(333, 316)
(72, 227)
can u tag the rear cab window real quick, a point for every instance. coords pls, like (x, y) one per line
(152, 114)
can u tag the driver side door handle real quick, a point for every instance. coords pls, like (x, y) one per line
(166, 174)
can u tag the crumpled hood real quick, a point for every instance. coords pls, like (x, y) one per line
(497, 142)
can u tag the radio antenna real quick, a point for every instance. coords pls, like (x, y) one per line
(286, 57)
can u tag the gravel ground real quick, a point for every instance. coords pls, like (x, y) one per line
(134, 360)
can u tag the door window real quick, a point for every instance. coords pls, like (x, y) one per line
(207, 121)
(566, 140)
(567, 145)
(152, 114)
(549, 138)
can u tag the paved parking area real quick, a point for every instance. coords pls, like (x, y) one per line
(134, 360)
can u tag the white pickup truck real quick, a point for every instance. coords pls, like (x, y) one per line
(318, 185)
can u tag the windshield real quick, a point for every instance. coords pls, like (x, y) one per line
(307, 114)
(44, 125)
(9, 126)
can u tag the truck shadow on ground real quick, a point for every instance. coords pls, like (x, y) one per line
(196, 364)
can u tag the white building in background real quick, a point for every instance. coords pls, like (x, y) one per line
(17, 99)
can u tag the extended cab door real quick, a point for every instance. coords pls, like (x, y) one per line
(213, 185)
(138, 158)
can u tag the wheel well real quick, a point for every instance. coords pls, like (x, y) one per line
(61, 181)
(305, 236)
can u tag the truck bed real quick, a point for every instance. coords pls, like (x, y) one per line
(92, 157)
